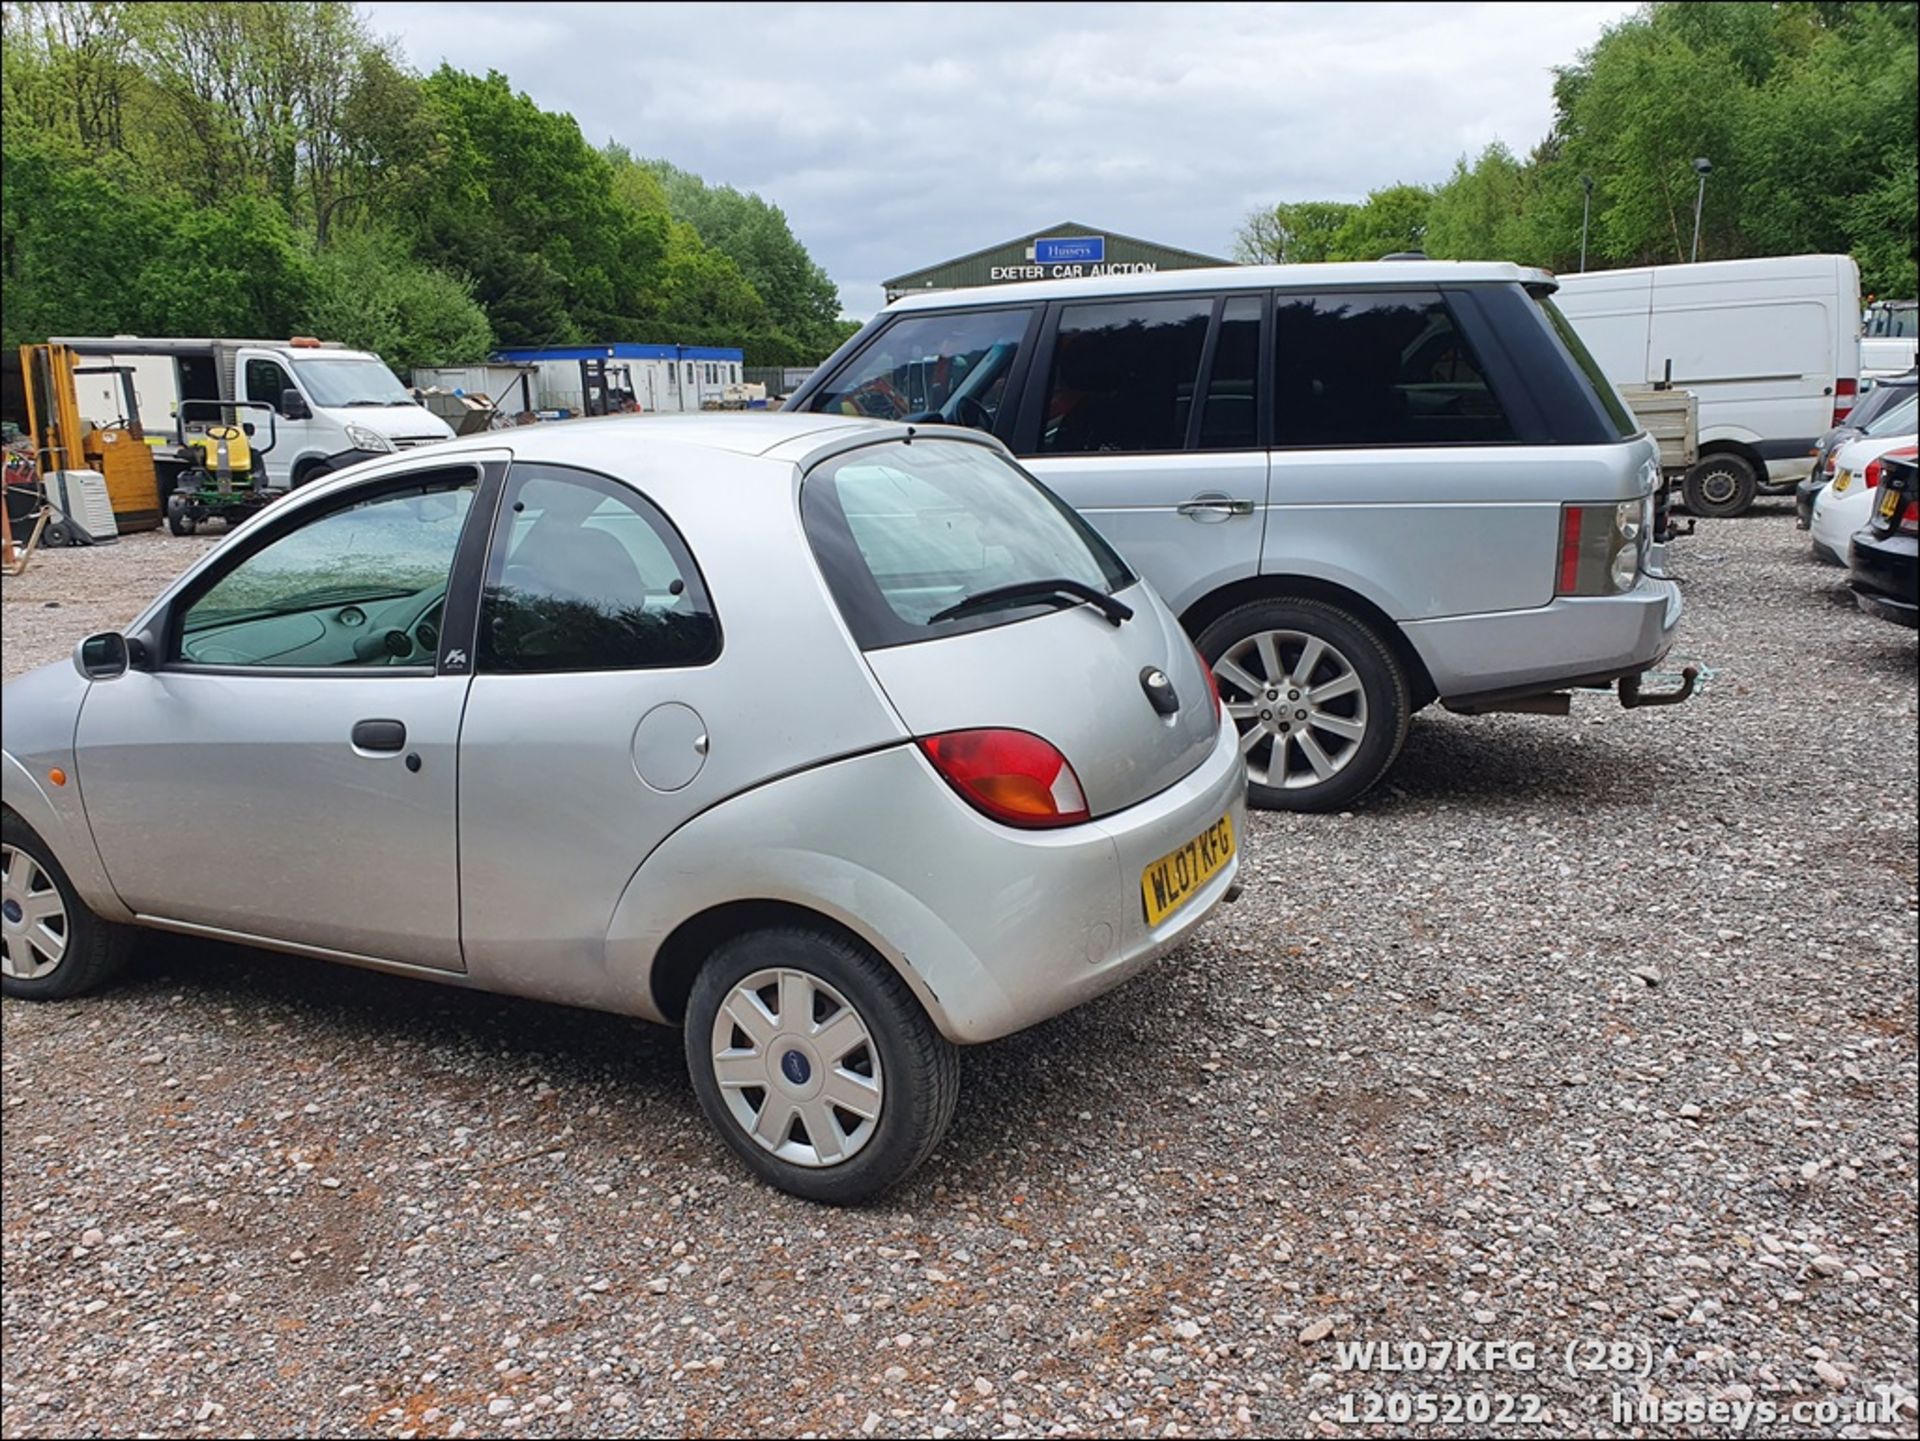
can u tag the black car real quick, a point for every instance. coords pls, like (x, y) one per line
(1876, 402)
(1883, 561)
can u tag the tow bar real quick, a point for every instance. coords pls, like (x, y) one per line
(1632, 699)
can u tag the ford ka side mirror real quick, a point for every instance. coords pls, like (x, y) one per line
(110, 655)
(102, 656)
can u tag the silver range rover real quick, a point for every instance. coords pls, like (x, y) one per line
(1362, 488)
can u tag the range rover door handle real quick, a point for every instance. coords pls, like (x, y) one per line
(379, 735)
(1222, 506)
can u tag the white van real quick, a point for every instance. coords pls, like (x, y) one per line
(317, 404)
(1771, 348)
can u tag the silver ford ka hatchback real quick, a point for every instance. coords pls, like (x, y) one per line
(837, 743)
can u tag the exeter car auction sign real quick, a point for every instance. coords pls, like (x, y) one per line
(1059, 257)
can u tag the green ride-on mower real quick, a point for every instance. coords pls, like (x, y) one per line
(219, 467)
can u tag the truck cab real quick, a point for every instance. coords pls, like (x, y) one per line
(331, 407)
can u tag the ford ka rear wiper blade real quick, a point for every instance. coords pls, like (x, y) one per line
(1033, 591)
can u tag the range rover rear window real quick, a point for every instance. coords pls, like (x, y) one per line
(1624, 422)
(1382, 367)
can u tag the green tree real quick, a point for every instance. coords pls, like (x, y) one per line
(1475, 215)
(800, 300)
(68, 70)
(250, 96)
(1393, 218)
(233, 268)
(703, 296)
(527, 209)
(368, 294)
(76, 238)
(1289, 234)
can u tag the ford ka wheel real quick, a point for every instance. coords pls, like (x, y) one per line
(51, 945)
(816, 1064)
(34, 927)
(1319, 699)
(798, 1068)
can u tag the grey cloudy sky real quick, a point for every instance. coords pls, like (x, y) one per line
(895, 136)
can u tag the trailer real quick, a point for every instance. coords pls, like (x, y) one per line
(1672, 417)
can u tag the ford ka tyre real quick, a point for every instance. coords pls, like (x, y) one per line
(51, 945)
(816, 1064)
(1319, 699)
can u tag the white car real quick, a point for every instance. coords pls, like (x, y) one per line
(1846, 505)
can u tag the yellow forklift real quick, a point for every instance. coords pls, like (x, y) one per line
(116, 447)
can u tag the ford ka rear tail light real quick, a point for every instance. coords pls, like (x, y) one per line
(1213, 684)
(1011, 776)
(1845, 390)
(1870, 477)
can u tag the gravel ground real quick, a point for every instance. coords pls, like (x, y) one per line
(1599, 1029)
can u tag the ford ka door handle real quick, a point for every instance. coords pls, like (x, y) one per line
(379, 735)
(1222, 506)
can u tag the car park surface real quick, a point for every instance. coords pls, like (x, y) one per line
(1551, 1038)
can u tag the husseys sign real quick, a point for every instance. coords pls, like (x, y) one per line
(1060, 257)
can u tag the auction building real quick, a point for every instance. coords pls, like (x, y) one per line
(1060, 252)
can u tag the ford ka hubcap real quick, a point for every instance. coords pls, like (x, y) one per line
(1299, 704)
(33, 918)
(797, 1067)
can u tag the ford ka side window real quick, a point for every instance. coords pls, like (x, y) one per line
(363, 585)
(585, 574)
(942, 367)
(1380, 369)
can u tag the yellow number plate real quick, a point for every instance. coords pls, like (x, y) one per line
(1842, 481)
(1889, 502)
(1173, 880)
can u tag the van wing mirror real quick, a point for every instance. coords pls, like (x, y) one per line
(293, 405)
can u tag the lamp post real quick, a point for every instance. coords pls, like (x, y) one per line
(1586, 214)
(1702, 167)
